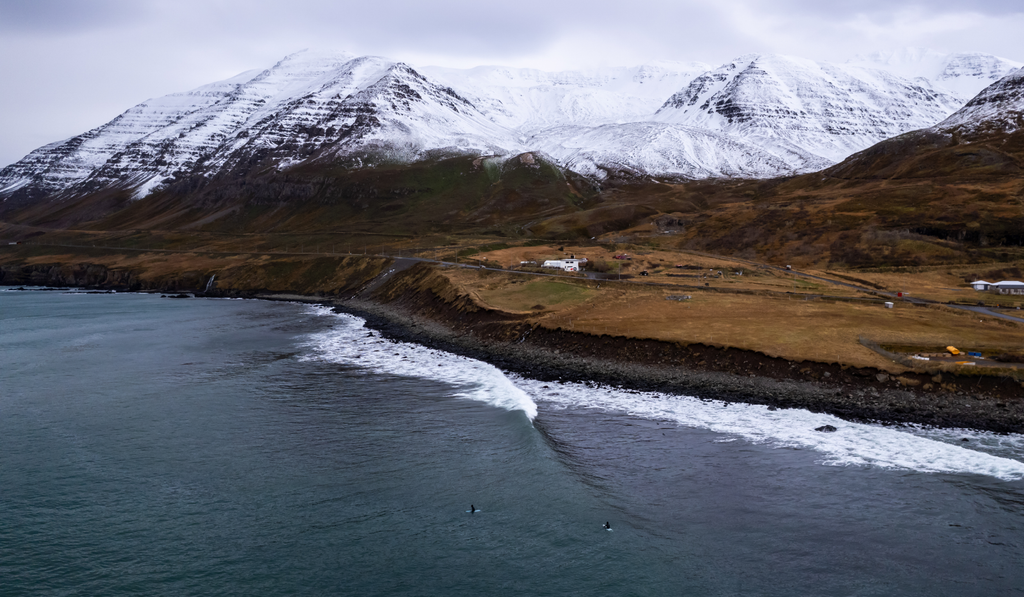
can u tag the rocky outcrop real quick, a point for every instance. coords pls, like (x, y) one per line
(84, 275)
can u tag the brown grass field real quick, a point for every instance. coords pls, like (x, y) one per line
(770, 310)
(792, 327)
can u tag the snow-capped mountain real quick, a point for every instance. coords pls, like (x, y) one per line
(999, 108)
(982, 141)
(757, 116)
(962, 74)
(309, 105)
(62, 165)
(815, 112)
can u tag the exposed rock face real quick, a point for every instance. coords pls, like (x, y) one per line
(84, 275)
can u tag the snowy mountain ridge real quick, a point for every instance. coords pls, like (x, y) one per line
(757, 116)
(822, 111)
(963, 74)
(999, 108)
(306, 103)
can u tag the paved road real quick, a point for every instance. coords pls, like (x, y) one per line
(987, 311)
(884, 293)
(920, 301)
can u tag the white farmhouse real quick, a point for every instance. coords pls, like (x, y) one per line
(568, 265)
(1002, 287)
(1008, 287)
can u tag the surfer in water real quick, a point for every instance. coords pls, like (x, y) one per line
(472, 509)
(608, 525)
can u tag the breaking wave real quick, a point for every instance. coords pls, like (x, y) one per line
(350, 343)
(852, 444)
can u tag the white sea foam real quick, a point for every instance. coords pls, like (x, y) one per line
(853, 444)
(350, 343)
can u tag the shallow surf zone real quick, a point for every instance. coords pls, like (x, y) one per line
(852, 444)
(349, 343)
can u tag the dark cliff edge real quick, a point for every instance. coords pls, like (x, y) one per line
(410, 301)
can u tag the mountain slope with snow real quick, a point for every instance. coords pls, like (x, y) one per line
(999, 108)
(819, 111)
(307, 105)
(59, 166)
(982, 141)
(529, 100)
(962, 74)
(643, 149)
(755, 117)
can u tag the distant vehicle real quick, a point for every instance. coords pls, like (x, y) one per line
(623, 256)
(644, 273)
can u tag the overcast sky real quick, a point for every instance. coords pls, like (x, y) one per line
(70, 65)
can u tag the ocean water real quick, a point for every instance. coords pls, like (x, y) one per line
(192, 447)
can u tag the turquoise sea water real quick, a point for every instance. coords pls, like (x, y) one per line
(186, 447)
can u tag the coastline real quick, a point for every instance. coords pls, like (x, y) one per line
(402, 300)
(851, 394)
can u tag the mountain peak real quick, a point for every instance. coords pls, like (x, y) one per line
(820, 111)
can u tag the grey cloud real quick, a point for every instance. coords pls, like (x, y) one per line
(63, 16)
(76, 63)
(884, 8)
(498, 32)
(395, 25)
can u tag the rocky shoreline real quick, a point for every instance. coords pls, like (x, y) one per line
(849, 393)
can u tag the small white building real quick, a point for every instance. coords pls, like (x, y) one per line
(980, 285)
(568, 265)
